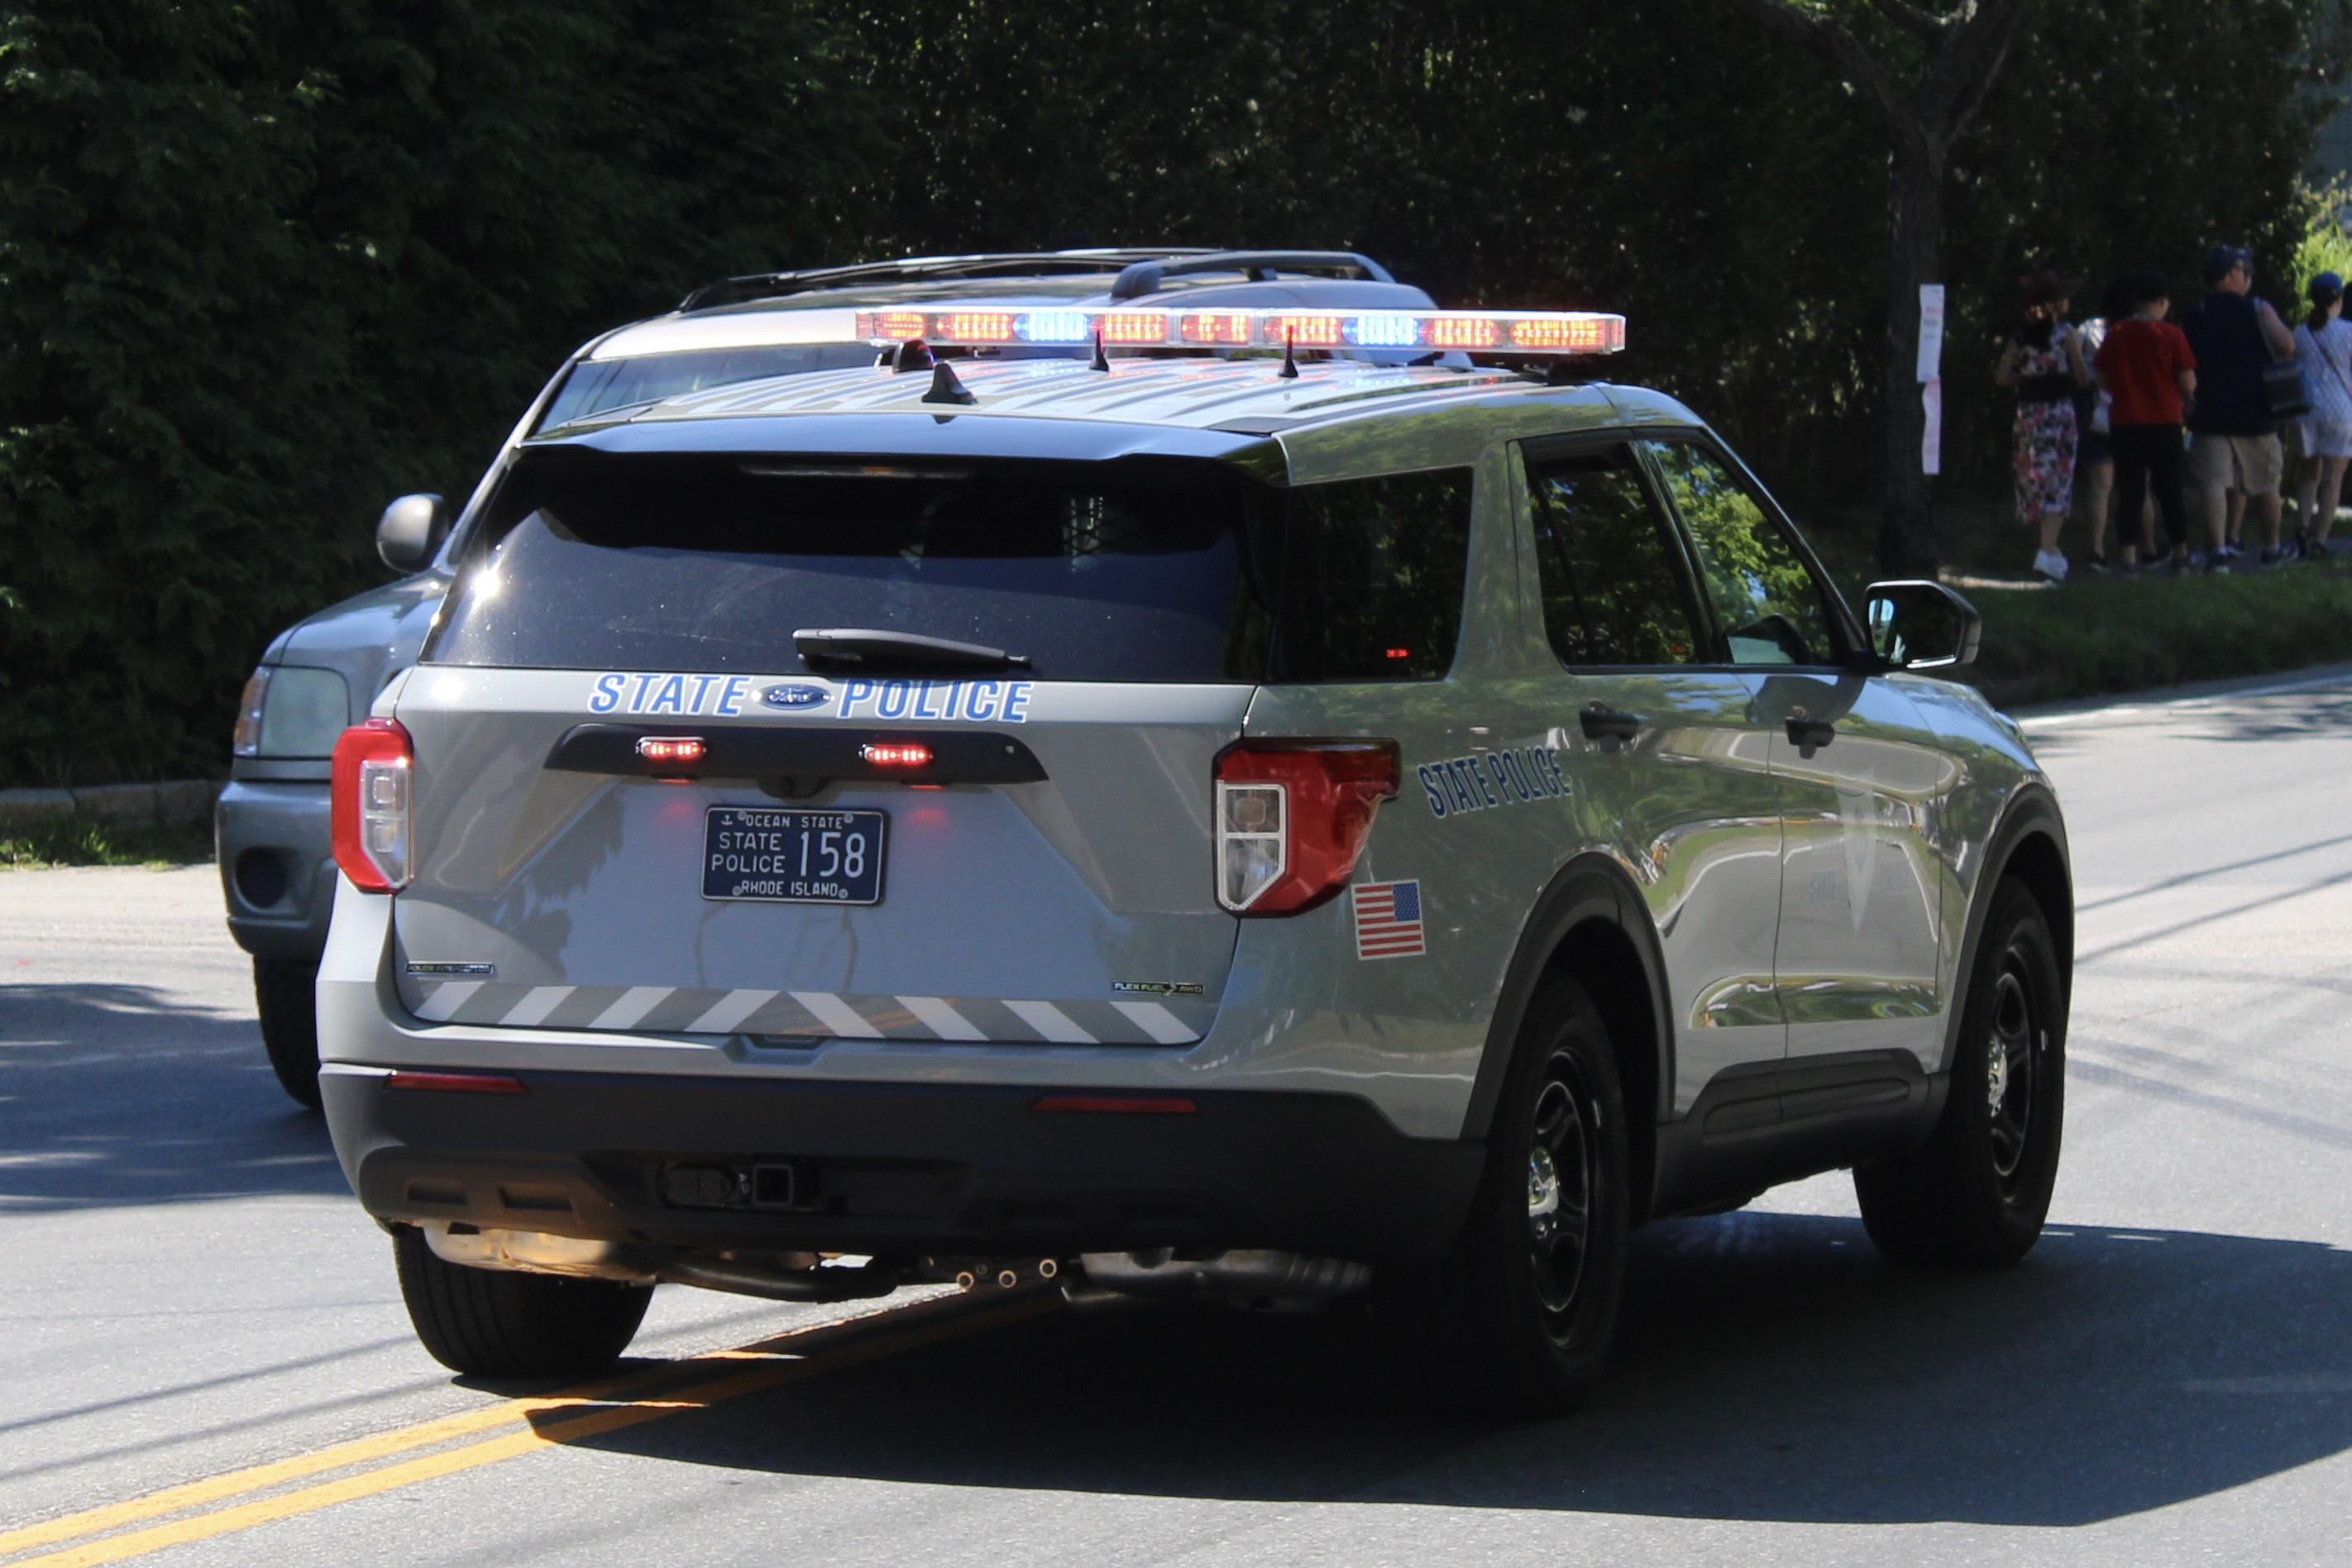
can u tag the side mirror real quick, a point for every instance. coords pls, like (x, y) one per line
(410, 530)
(1922, 626)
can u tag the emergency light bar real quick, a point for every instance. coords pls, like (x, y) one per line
(1473, 331)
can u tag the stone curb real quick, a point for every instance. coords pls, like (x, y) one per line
(165, 804)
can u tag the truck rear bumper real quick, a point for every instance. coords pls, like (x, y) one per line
(896, 1170)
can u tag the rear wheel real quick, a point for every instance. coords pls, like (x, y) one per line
(285, 995)
(1976, 1193)
(1519, 1319)
(492, 1323)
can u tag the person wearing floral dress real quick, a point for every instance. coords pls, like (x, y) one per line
(2043, 361)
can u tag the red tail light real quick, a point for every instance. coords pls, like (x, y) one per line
(676, 750)
(1292, 817)
(373, 815)
(905, 754)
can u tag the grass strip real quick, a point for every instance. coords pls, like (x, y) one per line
(2095, 637)
(82, 841)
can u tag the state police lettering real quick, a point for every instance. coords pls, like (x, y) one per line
(730, 696)
(1485, 780)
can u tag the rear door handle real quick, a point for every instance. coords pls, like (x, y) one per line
(1602, 723)
(1810, 735)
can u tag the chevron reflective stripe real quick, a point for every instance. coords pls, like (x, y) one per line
(795, 1017)
(1051, 1023)
(1164, 1027)
(941, 1019)
(730, 1011)
(837, 1015)
(537, 1005)
(630, 1007)
(442, 1004)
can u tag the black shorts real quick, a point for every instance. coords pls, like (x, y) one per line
(2094, 448)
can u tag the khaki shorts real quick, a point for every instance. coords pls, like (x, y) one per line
(2248, 463)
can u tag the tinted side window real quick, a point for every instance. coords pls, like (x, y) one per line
(1612, 591)
(1771, 609)
(1372, 574)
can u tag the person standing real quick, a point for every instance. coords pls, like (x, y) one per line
(2323, 344)
(2095, 457)
(2043, 359)
(2148, 369)
(2236, 446)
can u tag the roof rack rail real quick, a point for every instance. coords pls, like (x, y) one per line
(1144, 277)
(916, 269)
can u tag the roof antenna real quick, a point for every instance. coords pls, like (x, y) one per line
(1289, 353)
(946, 389)
(1102, 360)
(913, 355)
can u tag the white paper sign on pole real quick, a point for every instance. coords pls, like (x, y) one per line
(1931, 438)
(1931, 331)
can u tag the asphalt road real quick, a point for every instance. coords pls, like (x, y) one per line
(191, 1305)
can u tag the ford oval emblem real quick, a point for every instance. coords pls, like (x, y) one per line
(795, 695)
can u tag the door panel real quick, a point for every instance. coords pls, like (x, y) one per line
(1676, 771)
(1859, 905)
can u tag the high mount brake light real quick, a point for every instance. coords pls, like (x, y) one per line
(674, 750)
(905, 754)
(373, 807)
(1292, 817)
(1548, 333)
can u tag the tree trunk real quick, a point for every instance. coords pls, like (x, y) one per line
(1915, 242)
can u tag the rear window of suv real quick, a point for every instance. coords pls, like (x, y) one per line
(1137, 570)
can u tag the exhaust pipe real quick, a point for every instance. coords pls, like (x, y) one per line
(1277, 1279)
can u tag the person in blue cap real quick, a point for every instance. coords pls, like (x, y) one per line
(2234, 443)
(2323, 344)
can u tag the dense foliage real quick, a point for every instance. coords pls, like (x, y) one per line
(265, 263)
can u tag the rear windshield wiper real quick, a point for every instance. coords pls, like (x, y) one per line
(851, 647)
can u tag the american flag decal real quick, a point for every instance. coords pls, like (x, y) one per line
(1387, 920)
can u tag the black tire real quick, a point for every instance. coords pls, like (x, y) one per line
(1519, 1318)
(287, 996)
(1976, 1193)
(490, 1323)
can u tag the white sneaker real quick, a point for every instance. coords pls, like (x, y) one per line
(2050, 564)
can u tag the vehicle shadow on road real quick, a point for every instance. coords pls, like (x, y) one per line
(122, 1095)
(1772, 1368)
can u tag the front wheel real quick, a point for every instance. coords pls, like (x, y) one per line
(1976, 1193)
(492, 1323)
(1519, 1318)
(285, 993)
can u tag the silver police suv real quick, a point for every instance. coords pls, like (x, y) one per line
(316, 678)
(1210, 818)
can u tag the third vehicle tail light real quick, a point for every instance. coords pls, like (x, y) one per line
(1292, 817)
(373, 812)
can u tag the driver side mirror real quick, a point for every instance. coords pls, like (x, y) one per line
(410, 530)
(1920, 625)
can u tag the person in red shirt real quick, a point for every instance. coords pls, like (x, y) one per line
(2146, 367)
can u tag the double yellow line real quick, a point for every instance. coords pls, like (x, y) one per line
(369, 1466)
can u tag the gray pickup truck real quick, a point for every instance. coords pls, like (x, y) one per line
(276, 868)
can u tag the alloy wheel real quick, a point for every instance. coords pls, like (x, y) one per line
(2012, 1069)
(1563, 1177)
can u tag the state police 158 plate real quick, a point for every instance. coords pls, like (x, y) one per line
(793, 857)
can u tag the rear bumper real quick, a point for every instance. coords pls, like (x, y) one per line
(897, 1169)
(277, 867)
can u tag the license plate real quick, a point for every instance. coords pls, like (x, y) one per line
(793, 857)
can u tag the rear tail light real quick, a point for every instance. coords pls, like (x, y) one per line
(373, 814)
(1292, 817)
(902, 754)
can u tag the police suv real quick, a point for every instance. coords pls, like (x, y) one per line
(1209, 817)
(276, 862)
